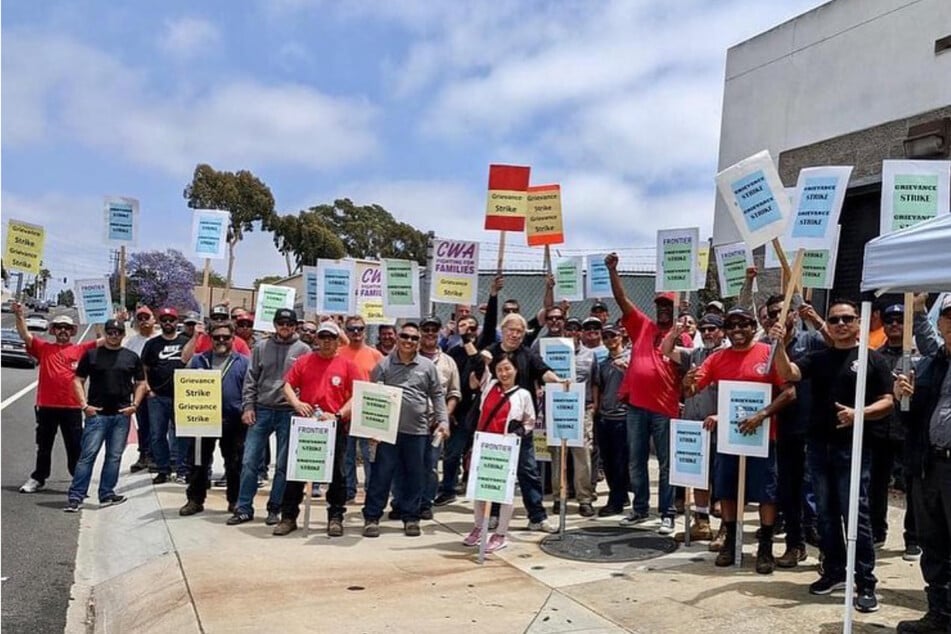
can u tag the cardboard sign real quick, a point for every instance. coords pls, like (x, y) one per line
(564, 414)
(543, 223)
(597, 284)
(336, 287)
(121, 220)
(540, 441)
(569, 279)
(309, 280)
(376, 411)
(198, 410)
(93, 300)
(369, 278)
(24, 248)
(492, 468)
(310, 450)
(689, 454)
(912, 192)
(756, 199)
(737, 400)
(732, 262)
(270, 299)
(400, 288)
(559, 354)
(817, 204)
(210, 233)
(703, 263)
(455, 275)
(507, 201)
(677, 259)
(818, 264)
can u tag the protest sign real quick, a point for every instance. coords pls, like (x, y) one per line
(24, 247)
(689, 454)
(677, 259)
(210, 233)
(335, 287)
(756, 199)
(816, 204)
(376, 411)
(737, 400)
(543, 222)
(564, 414)
(559, 354)
(492, 468)
(508, 197)
(370, 292)
(309, 282)
(93, 300)
(197, 403)
(569, 279)
(703, 263)
(400, 288)
(270, 299)
(912, 192)
(455, 275)
(597, 283)
(310, 449)
(540, 441)
(818, 264)
(121, 220)
(732, 262)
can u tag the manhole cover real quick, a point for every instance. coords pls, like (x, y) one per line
(608, 543)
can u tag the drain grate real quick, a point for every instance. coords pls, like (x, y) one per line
(608, 543)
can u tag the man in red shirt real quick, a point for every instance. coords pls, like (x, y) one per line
(201, 342)
(320, 385)
(745, 360)
(651, 389)
(57, 406)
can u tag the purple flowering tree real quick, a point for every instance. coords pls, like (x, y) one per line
(160, 278)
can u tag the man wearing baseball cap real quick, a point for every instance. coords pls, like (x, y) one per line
(57, 406)
(600, 310)
(200, 341)
(144, 330)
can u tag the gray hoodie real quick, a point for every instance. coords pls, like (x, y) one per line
(270, 361)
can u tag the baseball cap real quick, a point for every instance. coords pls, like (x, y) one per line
(894, 309)
(191, 318)
(282, 314)
(64, 320)
(610, 329)
(945, 305)
(738, 312)
(711, 319)
(599, 306)
(220, 311)
(716, 305)
(573, 321)
(664, 297)
(113, 324)
(592, 321)
(326, 326)
(143, 310)
(168, 311)
(431, 320)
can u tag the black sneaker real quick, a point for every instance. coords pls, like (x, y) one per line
(191, 507)
(272, 518)
(928, 624)
(141, 465)
(865, 600)
(608, 511)
(72, 506)
(585, 510)
(912, 552)
(444, 498)
(826, 585)
(239, 517)
(113, 500)
(411, 529)
(425, 514)
(160, 478)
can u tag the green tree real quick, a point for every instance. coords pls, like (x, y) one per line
(215, 280)
(65, 298)
(242, 194)
(305, 237)
(267, 279)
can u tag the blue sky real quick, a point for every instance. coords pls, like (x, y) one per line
(400, 103)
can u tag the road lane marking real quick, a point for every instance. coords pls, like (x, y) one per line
(29, 388)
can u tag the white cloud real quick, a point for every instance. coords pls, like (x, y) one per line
(188, 37)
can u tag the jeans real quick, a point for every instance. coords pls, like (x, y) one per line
(529, 481)
(350, 464)
(642, 425)
(233, 433)
(143, 430)
(166, 448)
(830, 466)
(70, 423)
(453, 452)
(405, 458)
(932, 496)
(268, 421)
(113, 431)
(612, 438)
(336, 492)
(791, 464)
(431, 475)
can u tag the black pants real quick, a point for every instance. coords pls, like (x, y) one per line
(70, 423)
(932, 495)
(143, 430)
(233, 433)
(336, 492)
(884, 451)
(611, 435)
(791, 465)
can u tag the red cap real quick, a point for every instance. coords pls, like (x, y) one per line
(143, 310)
(168, 312)
(665, 297)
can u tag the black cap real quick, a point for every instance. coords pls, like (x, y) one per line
(894, 309)
(220, 311)
(285, 314)
(573, 321)
(599, 306)
(431, 320)
(610, 329)
(711, 319)
(592, 323)
(113, 324)
(739, 311)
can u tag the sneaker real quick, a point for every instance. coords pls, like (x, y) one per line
(335, 527)
(826, 585)
(608, 511)
(411, 529)
(878, 542)
(239, 517)
(32, 486)
(540, 527)
(72, 506)
(765, 562)
(191, 507)
(113, 500)
(912, 552)
(666, 526)
(371, 528)
(792, 557)
(865, 600)
(444, 498)
(273, 518)
(285, 527)
(717, 542)
(160, 478)
(472, 538)
(493, 522)
(140, 465)
(495, 542)
(930, 623)
(634, 518)
(426, 514)
(585, 510)
(180, 479)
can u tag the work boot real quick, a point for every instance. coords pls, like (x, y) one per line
(727, 555)
(285, 527)
(930, 623)
(700, 531)
(335, 527)
(792, 557)
(765, 562)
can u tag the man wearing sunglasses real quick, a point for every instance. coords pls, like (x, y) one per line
(144, 330)
(244, 327)
(57, 406)
(201, 342)
(365, 358)
(834, 374)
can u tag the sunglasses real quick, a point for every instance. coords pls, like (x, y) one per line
(609, 335)
(244, 324)
(356, 328)
(112, 332)
(841, 319)
(408, 337)
(591, 329)
(509, 311)
(308, 331)
(737, 325)
(708, 329)
(285, 323)
(326, 336)
(572, 329)
(222, 338)
(555, 318)
(891, 321)
(773, 314)
(429, 330)
(60, 327)
(143, 317)
(168, 320)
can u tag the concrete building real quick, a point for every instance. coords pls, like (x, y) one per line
(851, 82)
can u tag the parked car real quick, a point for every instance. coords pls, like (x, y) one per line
(7, 306)
(13, 350)
(41, 306)
(36, 321)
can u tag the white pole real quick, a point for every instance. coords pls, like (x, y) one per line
(857, 428)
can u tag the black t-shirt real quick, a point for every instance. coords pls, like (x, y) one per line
(162, 357)
(834, 374)
(531, 368)
(112, 376)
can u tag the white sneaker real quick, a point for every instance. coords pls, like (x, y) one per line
(32, 486)
(542, 527)
(666, 526)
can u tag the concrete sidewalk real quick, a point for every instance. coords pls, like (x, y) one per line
(142, 568)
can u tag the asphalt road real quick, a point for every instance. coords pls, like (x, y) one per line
(39, 539)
